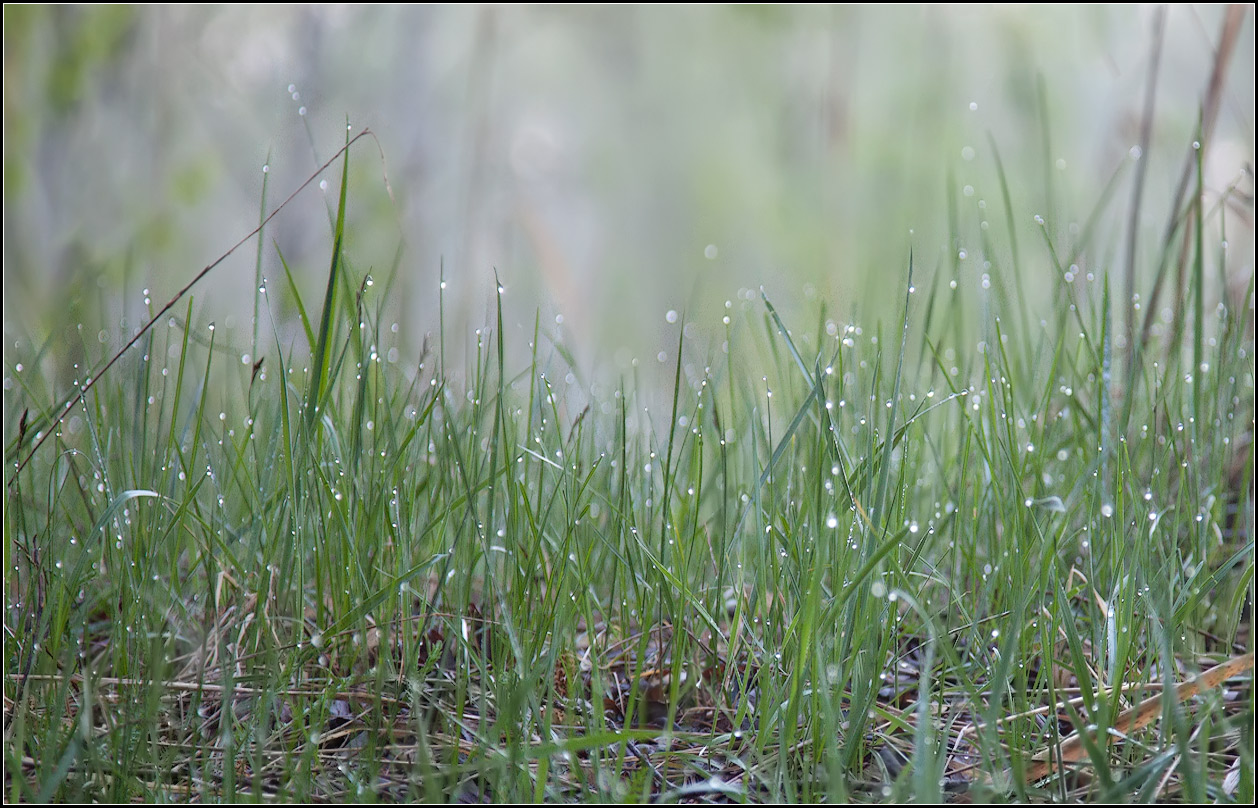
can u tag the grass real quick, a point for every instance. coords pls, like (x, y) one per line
(959, 551)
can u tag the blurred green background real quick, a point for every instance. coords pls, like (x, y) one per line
(612, 163)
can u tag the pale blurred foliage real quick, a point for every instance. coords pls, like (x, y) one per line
(611, 163)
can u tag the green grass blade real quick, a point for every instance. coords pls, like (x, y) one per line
(319, 368)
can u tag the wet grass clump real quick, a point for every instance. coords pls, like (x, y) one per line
(976, 547)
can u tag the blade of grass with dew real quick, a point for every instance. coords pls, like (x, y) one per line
(258, 281)
(880, 493)
(296, 294)
(171, 440)
(1199, 311)
(667, 603)
(319, 363)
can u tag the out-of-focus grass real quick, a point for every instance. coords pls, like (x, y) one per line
(591, 155)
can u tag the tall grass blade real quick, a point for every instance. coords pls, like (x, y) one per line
(319, 364)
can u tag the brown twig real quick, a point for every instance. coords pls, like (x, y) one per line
(1073, 750)
(1232, 21)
